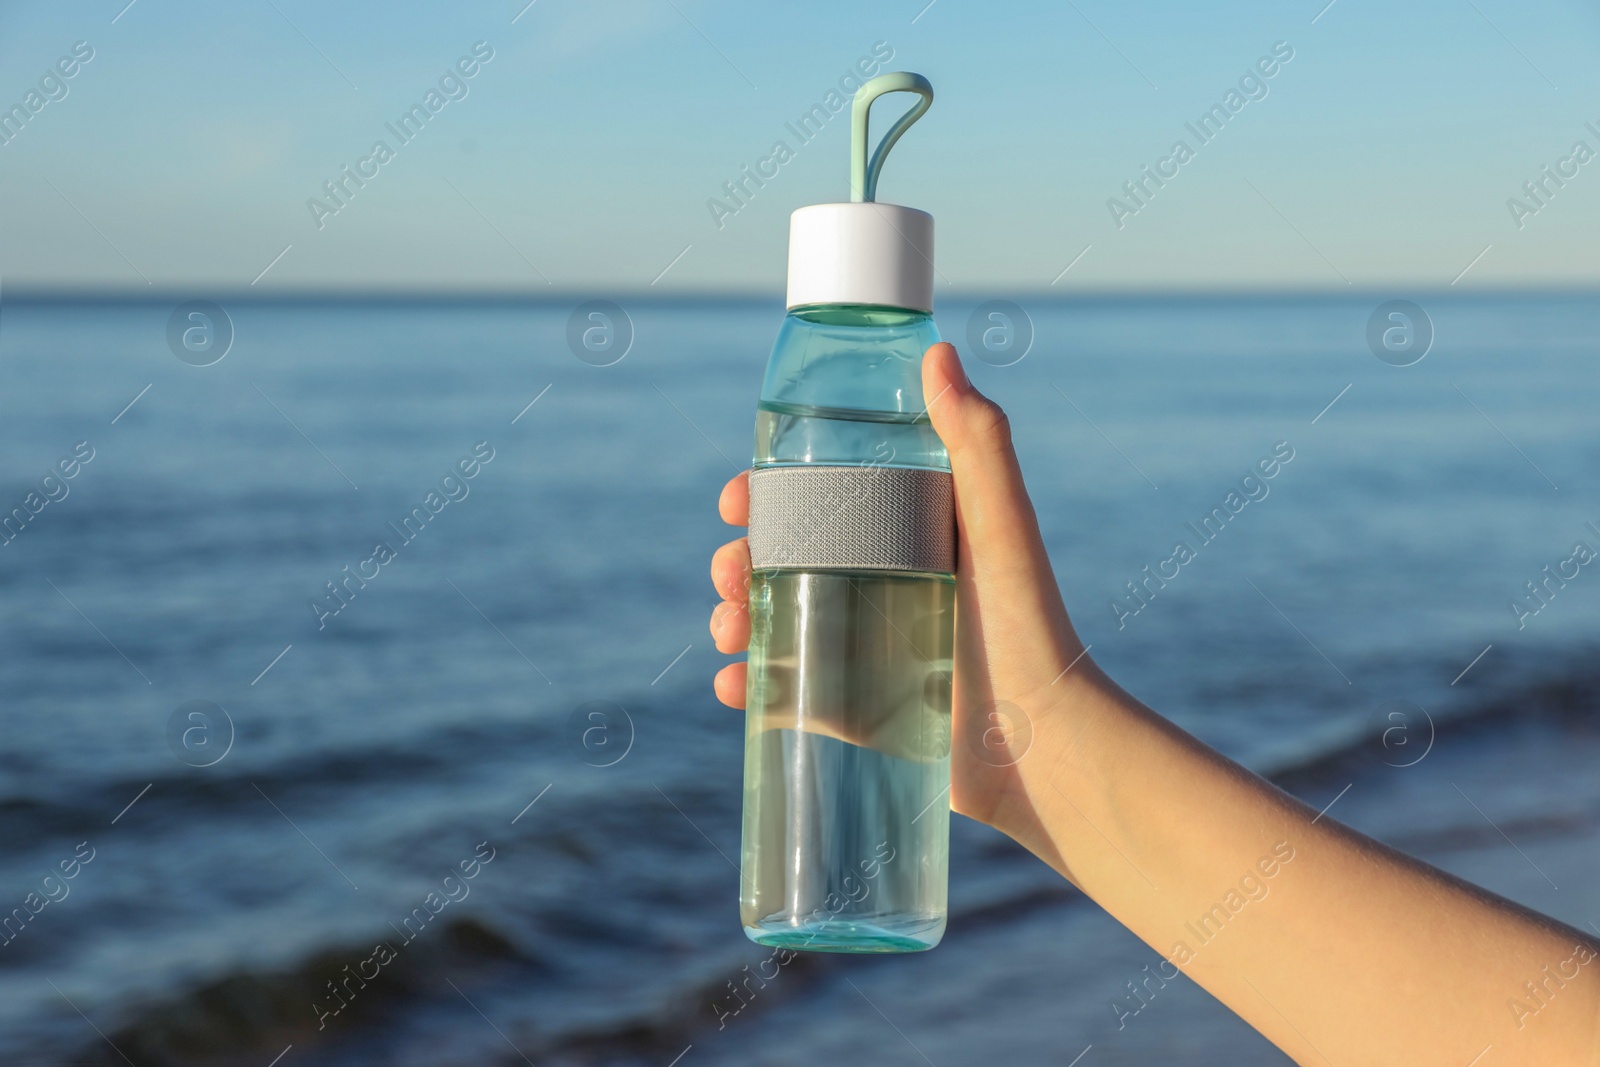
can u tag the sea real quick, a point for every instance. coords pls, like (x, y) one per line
(368, 637)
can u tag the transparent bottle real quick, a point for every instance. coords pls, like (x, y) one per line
(847, 743)
(852, 599)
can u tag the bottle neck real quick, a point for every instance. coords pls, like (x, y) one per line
(866, 315)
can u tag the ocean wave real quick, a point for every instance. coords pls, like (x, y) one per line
(254, 1012)
(76, 808)
(251, 1012)
(1555, 690)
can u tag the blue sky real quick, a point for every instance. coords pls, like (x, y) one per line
(585, 152)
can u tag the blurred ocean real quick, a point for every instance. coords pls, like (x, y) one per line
(371, 757)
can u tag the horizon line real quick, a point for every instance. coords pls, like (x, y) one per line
(45, 294)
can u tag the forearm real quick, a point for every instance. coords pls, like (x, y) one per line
(1336, 947)
(1339, 949)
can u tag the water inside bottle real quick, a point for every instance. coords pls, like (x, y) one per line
(847, 748)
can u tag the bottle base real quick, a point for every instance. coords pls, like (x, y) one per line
(838, 935)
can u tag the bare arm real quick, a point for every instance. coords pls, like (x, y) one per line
(1337, 948)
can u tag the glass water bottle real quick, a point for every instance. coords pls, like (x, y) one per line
(852, 599)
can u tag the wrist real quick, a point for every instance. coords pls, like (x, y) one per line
(1050, 756)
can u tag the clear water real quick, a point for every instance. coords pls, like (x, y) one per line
(847, 749)
(860, 359)
(847, 762)
(802, 433)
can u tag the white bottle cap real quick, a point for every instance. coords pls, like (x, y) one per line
(861, 253)
(865, 252)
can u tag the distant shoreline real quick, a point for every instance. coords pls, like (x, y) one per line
(15, 294)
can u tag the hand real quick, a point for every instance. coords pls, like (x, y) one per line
(1013, 637)
(1155, 827)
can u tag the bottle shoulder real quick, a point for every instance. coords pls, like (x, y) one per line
(844, 385)
(850, 358)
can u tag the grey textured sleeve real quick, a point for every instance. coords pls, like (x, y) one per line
(816, 517)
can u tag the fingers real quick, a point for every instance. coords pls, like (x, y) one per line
(734, 504)
(730, 627)
(997, 515)
(730, 571)
(729, 685)
(999, 533)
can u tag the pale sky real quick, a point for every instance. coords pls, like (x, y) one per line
(585, 152)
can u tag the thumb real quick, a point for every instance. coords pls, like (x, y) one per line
(997, 521)
(1001, 551)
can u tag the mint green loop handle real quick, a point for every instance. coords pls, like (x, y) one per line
(864, 174)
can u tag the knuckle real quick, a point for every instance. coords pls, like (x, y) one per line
(991, 428)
